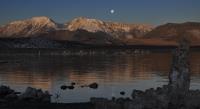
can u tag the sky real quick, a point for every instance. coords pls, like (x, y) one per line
(154, 12)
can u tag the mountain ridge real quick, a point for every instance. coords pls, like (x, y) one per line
(94, 32)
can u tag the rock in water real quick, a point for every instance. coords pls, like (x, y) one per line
(122, 93)
(71, 87)
(73, 83)
(93, 86)
(179, 77)
(63, 87)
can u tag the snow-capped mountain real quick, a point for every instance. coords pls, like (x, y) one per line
(42, 32)
(39, 25)
(111, 28)
(28, 28)
(79, 30)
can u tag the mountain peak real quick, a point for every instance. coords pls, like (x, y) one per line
(85, 19)
(28, 27)
(40, 25)
(91, 25)
(95, 25)
(41, 19)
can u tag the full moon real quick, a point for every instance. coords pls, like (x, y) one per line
(112, 11)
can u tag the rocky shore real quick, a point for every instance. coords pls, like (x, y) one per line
(31, 95)
(174, 95)
(33, 99)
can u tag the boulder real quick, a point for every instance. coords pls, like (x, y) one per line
(93, 86)
(122, 93)
(73, 83)
(5, 90)
(103, 103)
(35, 95)
(64, 87)
(137, 94)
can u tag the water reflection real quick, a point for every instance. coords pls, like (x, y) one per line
(114, 73)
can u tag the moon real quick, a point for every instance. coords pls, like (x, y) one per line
(112, 11)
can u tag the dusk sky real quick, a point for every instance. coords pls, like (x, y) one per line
(129, 11)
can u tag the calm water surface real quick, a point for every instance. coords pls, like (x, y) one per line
(113, 73)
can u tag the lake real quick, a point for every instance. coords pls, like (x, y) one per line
(114, 72)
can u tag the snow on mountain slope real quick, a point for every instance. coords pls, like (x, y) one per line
(111, 28)
(28, 27)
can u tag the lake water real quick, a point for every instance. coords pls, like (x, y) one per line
(113, 73)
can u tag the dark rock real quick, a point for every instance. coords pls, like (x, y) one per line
(113, 98)
(82, 86)
(179, 76)
(35, 95)
(93, 86)
(63, 87)
(73, 83)
(137, 93)
(70, 87)
(4, 91)
(103, 103)
(158, 90)
(94, 100)
(3, 62)
(11, 96)
(134, 104)
(122, 93)
(120, 100)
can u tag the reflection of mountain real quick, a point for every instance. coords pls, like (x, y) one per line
(195, 64)
(125, 68)
(45, 72)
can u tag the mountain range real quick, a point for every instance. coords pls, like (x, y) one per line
(43, 32)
